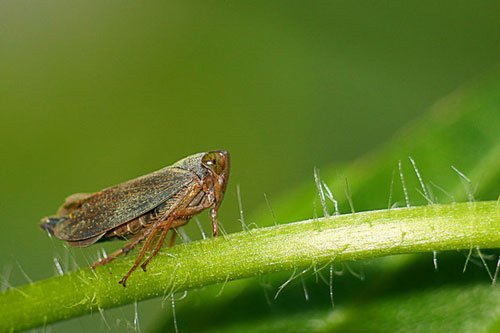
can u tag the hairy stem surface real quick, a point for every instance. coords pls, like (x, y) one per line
(300, 245)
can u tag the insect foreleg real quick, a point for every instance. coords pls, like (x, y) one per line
(213, 213)
(192, 210)
(189, 211)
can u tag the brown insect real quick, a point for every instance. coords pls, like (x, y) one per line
(144, 207)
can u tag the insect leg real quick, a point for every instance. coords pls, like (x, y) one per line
(149, 238)
(165, 222)
(167, 225)
(123, 250)
(172, 239)
(192, 210)
(213, 213)
(189, 211)
(157, 248)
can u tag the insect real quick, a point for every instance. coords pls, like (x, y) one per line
(142, 208)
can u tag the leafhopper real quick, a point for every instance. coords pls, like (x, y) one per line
(143, 208)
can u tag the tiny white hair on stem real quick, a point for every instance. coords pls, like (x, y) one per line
(317, 180)
(403, 183)
(244, 227)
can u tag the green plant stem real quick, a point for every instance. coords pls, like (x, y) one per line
(294, 246)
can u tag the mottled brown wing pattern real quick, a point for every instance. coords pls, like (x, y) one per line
(119, 204)
(146, 208)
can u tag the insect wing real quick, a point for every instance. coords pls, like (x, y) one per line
(119, 204)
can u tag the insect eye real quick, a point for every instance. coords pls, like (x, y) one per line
(213, 161)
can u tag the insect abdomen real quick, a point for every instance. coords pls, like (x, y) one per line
(130, 228)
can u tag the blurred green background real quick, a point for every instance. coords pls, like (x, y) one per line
(93, 93)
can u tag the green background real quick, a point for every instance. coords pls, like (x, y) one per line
(93, 93)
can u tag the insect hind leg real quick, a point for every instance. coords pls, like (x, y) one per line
(124, 250)
(149, 239)
(157, 248)
(166, 228)
(172, 238)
